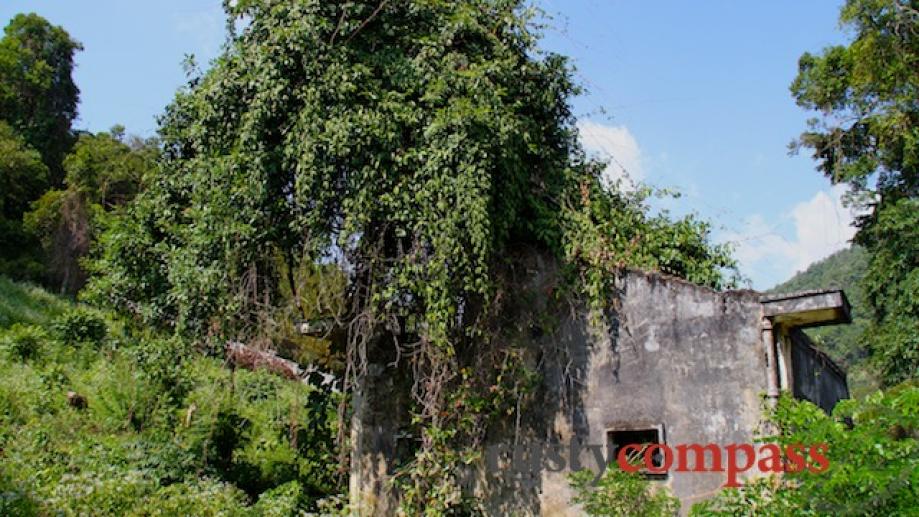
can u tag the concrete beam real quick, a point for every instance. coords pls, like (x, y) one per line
(807, 308)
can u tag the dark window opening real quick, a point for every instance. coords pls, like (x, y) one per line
(644, 437)
(405, 445)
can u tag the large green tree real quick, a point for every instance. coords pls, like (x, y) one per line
(37, 94)
(867, 136)
(419, 144)
(23, 177)
(425, 136)
(103, 173)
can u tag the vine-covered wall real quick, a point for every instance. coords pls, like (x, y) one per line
(674, 356)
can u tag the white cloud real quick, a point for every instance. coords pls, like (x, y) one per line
(206, 28)
(614, 144)
(822, 227)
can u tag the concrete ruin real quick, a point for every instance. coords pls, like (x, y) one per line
(677, 364)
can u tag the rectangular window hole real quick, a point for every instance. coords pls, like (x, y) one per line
(643, 437)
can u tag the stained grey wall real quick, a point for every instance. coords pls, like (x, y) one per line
(676, 355)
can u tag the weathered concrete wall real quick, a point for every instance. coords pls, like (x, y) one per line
(381, 410)
(814, 376)
(676, 356)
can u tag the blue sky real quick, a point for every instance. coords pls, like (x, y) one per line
(692, 95)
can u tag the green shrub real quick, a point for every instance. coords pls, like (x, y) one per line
(205, 497)
(621, 494)
(279, 502)
(873, 453)
(23, 398)
(79, 326)
(14, 500)
(54, 376)
(260, 432)
(23, 342)
(120, 397)
(162, 364)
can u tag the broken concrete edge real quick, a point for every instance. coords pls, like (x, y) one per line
(324, 327)
(660, 276)
(797, 301)
(809, 308)
(805, 293)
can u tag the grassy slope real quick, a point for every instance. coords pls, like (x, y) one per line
(166, 431)
(28, 304)
(842, 270)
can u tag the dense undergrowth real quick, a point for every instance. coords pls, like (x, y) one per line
(164, 431)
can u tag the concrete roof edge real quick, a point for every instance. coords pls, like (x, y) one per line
(772, 297)
(658, 275)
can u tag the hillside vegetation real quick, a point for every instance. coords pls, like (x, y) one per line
(27, 304)
(97, 420)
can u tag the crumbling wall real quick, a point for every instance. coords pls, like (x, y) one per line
(673, 354)
(676, 356)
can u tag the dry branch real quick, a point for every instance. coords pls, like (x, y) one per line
(250, 358)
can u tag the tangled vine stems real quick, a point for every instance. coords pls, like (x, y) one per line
(414, 144)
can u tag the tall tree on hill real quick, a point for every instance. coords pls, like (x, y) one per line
(867, 136)
(37, 94)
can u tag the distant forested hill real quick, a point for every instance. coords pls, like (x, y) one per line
(842, 270)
